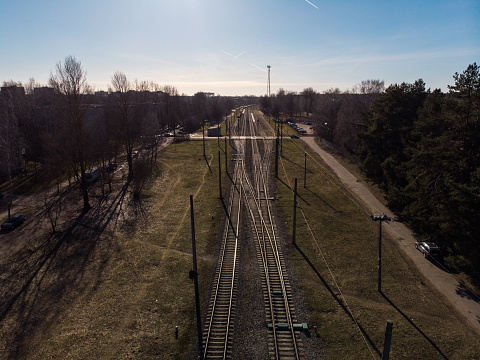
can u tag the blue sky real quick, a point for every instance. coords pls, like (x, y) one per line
(224, 46)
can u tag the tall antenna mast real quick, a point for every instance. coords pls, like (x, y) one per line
(268, 84)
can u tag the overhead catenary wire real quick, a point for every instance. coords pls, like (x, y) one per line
(329, 269)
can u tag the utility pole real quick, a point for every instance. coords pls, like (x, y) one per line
(203, 134)
(226, 156)
(305, 172)
(294, 213)
(194, 277)
(380, 218)
(276, 157)
(219, 174)
(281, 138)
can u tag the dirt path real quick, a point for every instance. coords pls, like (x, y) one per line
(462, 299)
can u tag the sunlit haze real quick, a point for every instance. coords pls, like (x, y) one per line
(225, 46)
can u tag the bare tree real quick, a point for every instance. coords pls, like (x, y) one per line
(122, 93)
(9, 135)
(170, 94)
(70, 83)
(373, 86)
(53, 209)
(309, 96)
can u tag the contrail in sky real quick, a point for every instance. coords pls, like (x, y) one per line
(258, 67)
(234, 57)
(316, 7)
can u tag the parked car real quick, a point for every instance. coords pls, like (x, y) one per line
(429, 250)
(13, 222)
(92, 175)
(295, 137)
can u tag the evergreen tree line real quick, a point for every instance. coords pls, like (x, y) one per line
(423, 148)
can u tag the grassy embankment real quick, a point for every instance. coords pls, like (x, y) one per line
(425, 325)
(114, 282)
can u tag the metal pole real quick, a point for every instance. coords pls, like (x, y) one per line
(380, 256)
(194, 275)
(294, 213)
(276, 157)
(305, 173)
(219, 174)
(388, 340)
(380, 219)
(226, 156)
(281, 138)
(203, 134)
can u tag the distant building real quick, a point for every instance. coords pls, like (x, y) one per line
(16, 91)
(214, 131)
(43, 91)
(101, 93)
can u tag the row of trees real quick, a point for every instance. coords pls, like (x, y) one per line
(423, 148)
(68, 129)
(334, 113)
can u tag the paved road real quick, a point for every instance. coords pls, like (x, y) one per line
(461, 298)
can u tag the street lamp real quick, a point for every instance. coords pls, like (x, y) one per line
(380, 218)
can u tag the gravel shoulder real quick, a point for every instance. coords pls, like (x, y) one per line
(466, 303)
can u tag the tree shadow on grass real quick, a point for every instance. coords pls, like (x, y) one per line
(414, 326)
(40, 282)
(338, 300)
(466, 292)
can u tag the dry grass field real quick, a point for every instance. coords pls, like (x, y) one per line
(335, 260)
(114, 283)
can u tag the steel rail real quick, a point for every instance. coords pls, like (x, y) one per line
(224, 267)
(268, 237)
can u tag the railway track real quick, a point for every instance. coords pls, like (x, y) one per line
(250, 193)
(218, 332)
